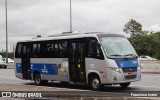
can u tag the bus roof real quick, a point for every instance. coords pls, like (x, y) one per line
(72, 35)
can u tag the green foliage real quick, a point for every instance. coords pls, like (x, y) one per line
(10, 55)
(132, 27)
(146, 44)
(157, 46)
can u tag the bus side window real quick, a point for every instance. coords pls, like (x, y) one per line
(24, 51)
(63, 49)
(34, 53)
(18, 50)
(36, 50)
(42, 50)
(90, 50)
(38, 47)
(55, 50)
(49, 49)
(94, 51)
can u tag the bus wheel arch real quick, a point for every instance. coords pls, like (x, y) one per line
(38, 80)
(94, 81)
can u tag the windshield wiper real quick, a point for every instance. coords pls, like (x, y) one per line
(117, 55)
(125, 56)
(132, 55)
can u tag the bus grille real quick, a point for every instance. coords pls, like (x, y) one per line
(130, 69)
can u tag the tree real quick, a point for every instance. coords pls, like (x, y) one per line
(132, 27)
(156, 37)
(146, 44)
(10, 55)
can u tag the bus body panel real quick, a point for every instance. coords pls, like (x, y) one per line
(96, 66)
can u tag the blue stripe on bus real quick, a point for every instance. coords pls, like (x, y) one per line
(19, 68)
(49, 69)
(127, 63)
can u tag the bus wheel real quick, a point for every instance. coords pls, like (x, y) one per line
(95, 83)
(124, 85)
(38, 81)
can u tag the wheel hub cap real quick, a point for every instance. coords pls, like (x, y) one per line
(95, 83)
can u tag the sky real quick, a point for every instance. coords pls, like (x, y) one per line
(29, 18)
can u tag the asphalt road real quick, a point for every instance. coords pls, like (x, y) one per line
(8, 82)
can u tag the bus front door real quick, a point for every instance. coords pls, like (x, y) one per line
(26, 50)
(77, 62)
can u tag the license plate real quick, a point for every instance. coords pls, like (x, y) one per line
(131, 73)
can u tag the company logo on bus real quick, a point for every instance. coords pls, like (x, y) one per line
(130, 69)
(31, 66)
(122, 65)
(44, 70)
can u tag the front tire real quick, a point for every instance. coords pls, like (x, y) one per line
(39, 81)
(124, 85)
(95, 83)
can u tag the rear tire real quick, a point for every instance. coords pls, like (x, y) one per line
(38, 81)
(125, 85)
(95, 83)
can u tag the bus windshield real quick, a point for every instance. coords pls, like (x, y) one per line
(118, 47)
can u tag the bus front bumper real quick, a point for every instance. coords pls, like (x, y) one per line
(117, 76)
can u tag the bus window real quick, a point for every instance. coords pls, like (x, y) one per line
(49, 49)
(36, 50)
(24, 51)
(63, 49)
(18, 51)
(94, 51)
(55, 50)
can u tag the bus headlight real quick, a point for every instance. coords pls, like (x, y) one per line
(116, 69)
(139, 68)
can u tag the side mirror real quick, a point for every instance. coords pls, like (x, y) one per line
(94, 42)
(98, 44)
